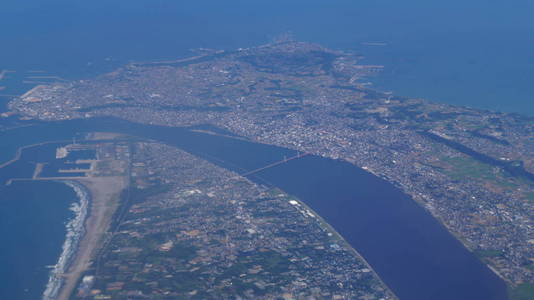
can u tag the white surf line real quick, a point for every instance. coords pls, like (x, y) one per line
(75, 230)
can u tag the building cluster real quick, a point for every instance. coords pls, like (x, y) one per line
(309, 98)
(193, 230)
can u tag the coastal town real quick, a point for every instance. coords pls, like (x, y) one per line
(473, 170)
(192, 230)
(154, 221)
(97, 169)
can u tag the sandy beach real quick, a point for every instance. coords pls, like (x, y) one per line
(105, 193)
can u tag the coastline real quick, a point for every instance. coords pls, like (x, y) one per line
(75, 231)
(103, 193)
(19, 151)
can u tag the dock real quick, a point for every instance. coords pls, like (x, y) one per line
(38, 169)
(19, 151)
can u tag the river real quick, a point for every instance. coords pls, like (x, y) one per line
(472, 53)
(410, 250)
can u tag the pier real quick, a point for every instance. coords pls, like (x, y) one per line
(38, 170)
(19, 151)
(2, 74)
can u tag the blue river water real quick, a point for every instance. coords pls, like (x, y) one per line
(411, 251)
(475, 53)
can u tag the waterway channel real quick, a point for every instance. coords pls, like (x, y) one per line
(413, 253)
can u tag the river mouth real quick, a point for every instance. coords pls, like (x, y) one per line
(413, 253)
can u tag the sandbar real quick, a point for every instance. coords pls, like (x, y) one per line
(105, 194)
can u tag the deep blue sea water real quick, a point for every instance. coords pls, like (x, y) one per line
(410, 250)
(32, 226)
(477, 53)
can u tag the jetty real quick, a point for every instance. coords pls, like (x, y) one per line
(18, 154)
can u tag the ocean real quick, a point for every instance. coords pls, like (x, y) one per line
(474, 53)
(399, 239)
(33, 218)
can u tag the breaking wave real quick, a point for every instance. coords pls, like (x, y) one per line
(75, 230)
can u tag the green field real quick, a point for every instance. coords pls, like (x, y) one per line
(461, 168)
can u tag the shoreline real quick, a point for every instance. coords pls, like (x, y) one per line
(104, 193)
(18, 153)
(329, 229)
(75, 231)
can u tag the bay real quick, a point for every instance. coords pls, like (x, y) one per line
(474, 53)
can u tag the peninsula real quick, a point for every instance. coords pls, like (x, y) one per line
(473, 170)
